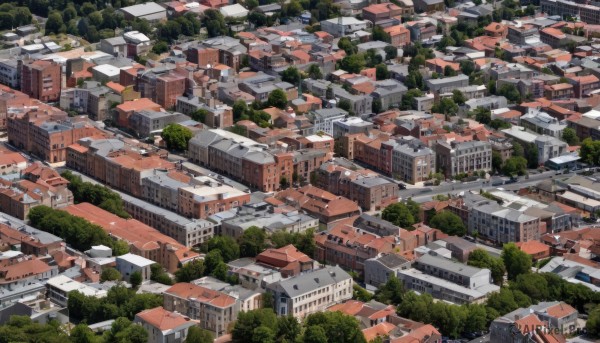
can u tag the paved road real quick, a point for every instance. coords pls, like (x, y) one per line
(426, 193)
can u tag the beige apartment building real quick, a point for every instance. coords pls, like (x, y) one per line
(467, 157)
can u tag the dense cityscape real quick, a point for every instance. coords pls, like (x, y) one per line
(300, 171)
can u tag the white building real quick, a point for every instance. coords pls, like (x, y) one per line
(311, 292)
(343, 26)
(323, 119)
(129, 263)
(234, 11)
(150, 11)
(164, 326)
(60, 286)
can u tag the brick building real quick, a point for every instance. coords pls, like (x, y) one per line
(41, 80)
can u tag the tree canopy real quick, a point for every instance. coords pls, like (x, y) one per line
(449, 223)
(176, 136)
(95, 194)
(516, 261)
(399, 214)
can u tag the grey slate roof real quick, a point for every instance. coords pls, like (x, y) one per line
(304, 283)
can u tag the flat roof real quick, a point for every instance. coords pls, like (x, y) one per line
(66, 284)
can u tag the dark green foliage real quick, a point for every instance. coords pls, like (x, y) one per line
(76, 231)
(198, 335)
(214, 23)
(160, 47)
(158, 274)
(449, 223)
(340, 328)
(570, 136)
(95, 194)
(120, 302)
(314, 71)
(291, 75)
(176, 136)
(391, 292)
(252, 242)
(302, 241)
(590, 151)
(482, 259)
(226, 245)
(515, 166)
(278, 99)
(190, 271)
(12, 15)
(353, 63)
(110, 274)
(399, 214)
(135, 279)
(516, 261)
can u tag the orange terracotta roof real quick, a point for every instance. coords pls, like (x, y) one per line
(560, 310)
(350, 307)
(23, 269)
(380, 330)
(533, 247)
(162, 319)
(202, 294)
(528, 324)
(138, 105)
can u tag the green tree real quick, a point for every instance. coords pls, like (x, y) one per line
(391, 52)
(214, 22)
(390, 292)
(54, 23)
(198, 335)
(445, 106)
(497, 160)
(345, 44)
(314, 71)
(381, 72)
(510, 92)
(190, 271)
(380, 35)
(458, 97)
(416, 307)
(532, 284)
(288, 329)
(199, 115)
(482, 259)
(291, 75)
(316, 334)
(499, 124)
(345, 105)
(353, 63)
(252, 242)
(408, 97)
(82, 334)
(467, 67)
(340, 328)
(399, 215)
(570, 136)
(503, 302)
(518, 150)
(226, 245)
(482, 115)
(278, 99)
(135, 279)
(593, 322)
(449, 71)
(110, 274)
(248, 321)
(516, 261)
(449, 223)
(376, 106)
(476, 318)
(515, 166)
(157, 274)
(176, 136)
(239, 109)
(293, 8)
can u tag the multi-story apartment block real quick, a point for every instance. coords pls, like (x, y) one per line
(115, 163)
(215, 310)
(520, 34)
(145, 122)
(548, 147)
(323, 119)
(587, 13)
(447, 84)
(351, 125)
(343, 26)
(312, 292)
(502, 224)
(231, 50)
(143, 240)
(25, 272)
(241, 158)
(448, 280)
(48, 135)
(368, 189)
(379, 269)
(162, 85)
(466, 157)
(559, 91)
(204, 196)
(189, 232)
(350, 247)
(542, 123)
(584, 85)
(412, 161)
(41, 80)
